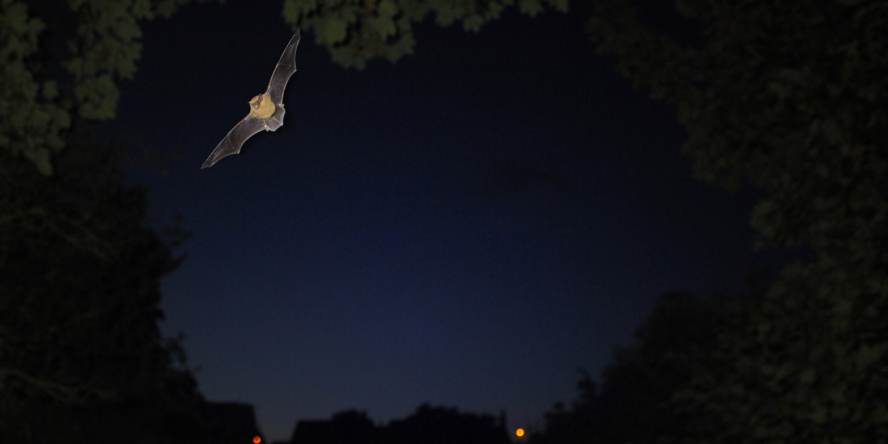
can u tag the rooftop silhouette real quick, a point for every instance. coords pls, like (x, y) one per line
(428, 425)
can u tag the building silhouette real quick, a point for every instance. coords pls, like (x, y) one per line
(229, 423)
(428, 425)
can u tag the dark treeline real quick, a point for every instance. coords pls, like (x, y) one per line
(681, 381)
(636, 400)
(430, 425)
(788, 98)
(81, 357)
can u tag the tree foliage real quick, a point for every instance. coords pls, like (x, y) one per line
(579, 423)
(800, 364)
(632, 404)
(81, 356)
(356, 31)
(95, 43)
(790, 98)
(61, 61)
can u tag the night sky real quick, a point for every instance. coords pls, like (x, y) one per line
(467, 227)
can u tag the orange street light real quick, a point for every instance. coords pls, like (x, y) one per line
(519, 433)
(257, 439)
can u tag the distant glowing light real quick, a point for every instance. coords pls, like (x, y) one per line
(257, 439)
(519, 433)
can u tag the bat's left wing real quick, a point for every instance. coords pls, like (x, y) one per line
(285, 68)
(235, 139)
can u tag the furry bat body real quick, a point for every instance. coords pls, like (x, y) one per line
(266, 110)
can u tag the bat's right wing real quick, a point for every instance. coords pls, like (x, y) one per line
(285, 68)
(235, 138)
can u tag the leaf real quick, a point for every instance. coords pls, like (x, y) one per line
(560, 5)
(40, 158)
(385, 26)
(50, 90)
(387, 8)
(473, 23)
(334, 30)
(445, 16)
(530, 7)
(870, 354)
(291, 11)
(808, 376)
(98, 97)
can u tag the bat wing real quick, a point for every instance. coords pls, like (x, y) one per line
(277, 120)
(285, 68)
(235, 138)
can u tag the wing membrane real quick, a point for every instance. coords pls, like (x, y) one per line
(285, 68)
(235, 139)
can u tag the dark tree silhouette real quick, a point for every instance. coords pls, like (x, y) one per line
(633, 402)
(637, 386)
(82, 356)
(790, 98)
(61, 64)
(355, 32)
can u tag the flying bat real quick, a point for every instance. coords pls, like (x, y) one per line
(266, 109)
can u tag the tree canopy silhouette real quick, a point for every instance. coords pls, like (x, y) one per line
(81, 355)
(356, 31)
(790, 98)
(50, 83)
(632, 403)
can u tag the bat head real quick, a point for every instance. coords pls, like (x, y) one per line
(261, 107)
(256, 101)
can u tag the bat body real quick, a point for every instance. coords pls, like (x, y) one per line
(266, 109)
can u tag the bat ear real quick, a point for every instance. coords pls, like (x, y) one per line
(255, 102)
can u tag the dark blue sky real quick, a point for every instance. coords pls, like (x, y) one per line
(466, 227)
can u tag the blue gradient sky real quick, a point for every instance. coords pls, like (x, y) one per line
(466, 227)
